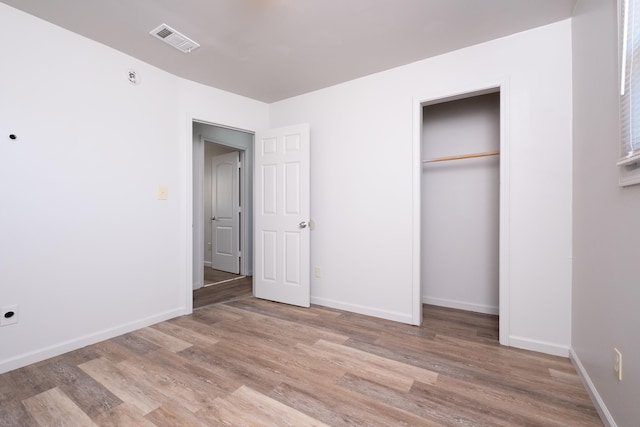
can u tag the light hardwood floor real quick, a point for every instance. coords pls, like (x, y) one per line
(226, 291)
(213, 276)
(250, 362)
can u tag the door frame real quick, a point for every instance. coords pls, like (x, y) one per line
(195, 206)
(436, 96)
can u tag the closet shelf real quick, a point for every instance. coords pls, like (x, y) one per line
(462, 156)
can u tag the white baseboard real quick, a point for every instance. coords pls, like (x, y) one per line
(76, 343)
(208, 263)
(604, 413)
(360, 309)
(539, 346)
(461, 305)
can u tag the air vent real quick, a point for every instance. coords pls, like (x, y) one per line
(174, 38)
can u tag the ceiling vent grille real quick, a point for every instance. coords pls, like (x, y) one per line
(174, 38)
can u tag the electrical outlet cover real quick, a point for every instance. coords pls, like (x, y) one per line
(617, 363)
(9, 315)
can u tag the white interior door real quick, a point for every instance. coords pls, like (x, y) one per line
(225, 209)
(282, 215)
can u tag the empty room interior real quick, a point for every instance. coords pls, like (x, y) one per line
(279, 212)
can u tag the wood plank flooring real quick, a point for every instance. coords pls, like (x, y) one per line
(213, 276)
(251, 362)
(227, 291)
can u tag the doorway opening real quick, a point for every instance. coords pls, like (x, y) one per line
(461, 205)
(474, 209)
(222, 213)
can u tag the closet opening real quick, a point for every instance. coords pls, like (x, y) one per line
(460, 192)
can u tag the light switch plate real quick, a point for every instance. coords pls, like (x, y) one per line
(162, 192)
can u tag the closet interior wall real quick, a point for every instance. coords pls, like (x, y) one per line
(460, 204)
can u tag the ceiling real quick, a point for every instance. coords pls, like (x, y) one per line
(275, 49)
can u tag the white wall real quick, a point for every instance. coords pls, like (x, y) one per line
(605, 241)
(460, 204)
(362, 160)
(86, 249)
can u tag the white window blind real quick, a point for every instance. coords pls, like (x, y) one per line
(630, 91)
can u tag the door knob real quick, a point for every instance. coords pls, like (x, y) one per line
(303, 224)
(213, 218)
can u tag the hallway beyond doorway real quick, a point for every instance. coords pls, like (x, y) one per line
(241, 287)
(216, 277)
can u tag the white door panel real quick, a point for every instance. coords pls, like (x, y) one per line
(282, 201)
(225, 210)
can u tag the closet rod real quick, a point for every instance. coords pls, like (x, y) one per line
(462, 156)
